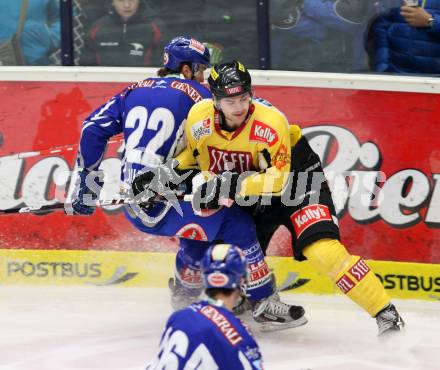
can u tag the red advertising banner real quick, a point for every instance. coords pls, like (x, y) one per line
(381, 152)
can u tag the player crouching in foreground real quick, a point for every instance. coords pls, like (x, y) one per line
(207, 334)
(248, 136)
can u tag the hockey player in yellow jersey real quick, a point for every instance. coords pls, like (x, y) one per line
(235, 133)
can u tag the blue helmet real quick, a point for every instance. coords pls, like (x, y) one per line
(224, 266)
(184, 49)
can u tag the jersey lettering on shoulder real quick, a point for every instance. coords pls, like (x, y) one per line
(222, 323)
(209, 336)
(188, 90)
(148, 82)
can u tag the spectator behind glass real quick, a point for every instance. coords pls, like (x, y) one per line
(407, 38)
(320, 35)
(131, 36)
(41, 34)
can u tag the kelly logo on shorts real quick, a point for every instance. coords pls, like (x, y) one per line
(308, 216)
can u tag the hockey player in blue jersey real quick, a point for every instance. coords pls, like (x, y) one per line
(151, 115)
(207, 335)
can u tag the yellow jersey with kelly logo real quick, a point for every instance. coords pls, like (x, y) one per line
(260, 144)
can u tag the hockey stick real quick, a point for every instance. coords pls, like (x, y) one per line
(56, 207)
(102, 203)
(292, 282)
(57, 149)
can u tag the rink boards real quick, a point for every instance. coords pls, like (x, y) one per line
(152, 269)
(378, 138)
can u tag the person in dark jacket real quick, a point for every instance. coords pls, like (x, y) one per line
(407, 39)
(130, 36)
(320, 35)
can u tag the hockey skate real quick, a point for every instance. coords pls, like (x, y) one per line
(272, 314)
(181, 297)
(389, 321)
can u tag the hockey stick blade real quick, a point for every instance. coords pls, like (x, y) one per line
(292, 282)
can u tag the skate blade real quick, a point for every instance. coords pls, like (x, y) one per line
(391, 333)
(274, 326)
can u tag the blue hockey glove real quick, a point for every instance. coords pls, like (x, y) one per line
(89, 186)
(208, 195)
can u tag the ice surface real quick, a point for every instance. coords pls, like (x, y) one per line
(106, 328)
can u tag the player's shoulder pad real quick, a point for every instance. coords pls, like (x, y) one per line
(204, 91)
(268, 125)
(268, 112)
(195, 91)
(295, 134)
(257, 99)
(200, 121)
(184, 313)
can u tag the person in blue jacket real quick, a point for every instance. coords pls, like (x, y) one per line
(320, 35)
(206, 334)
(407, 38)
(41, 34)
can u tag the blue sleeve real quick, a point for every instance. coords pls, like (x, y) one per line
(381, 44)
(102, 124)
